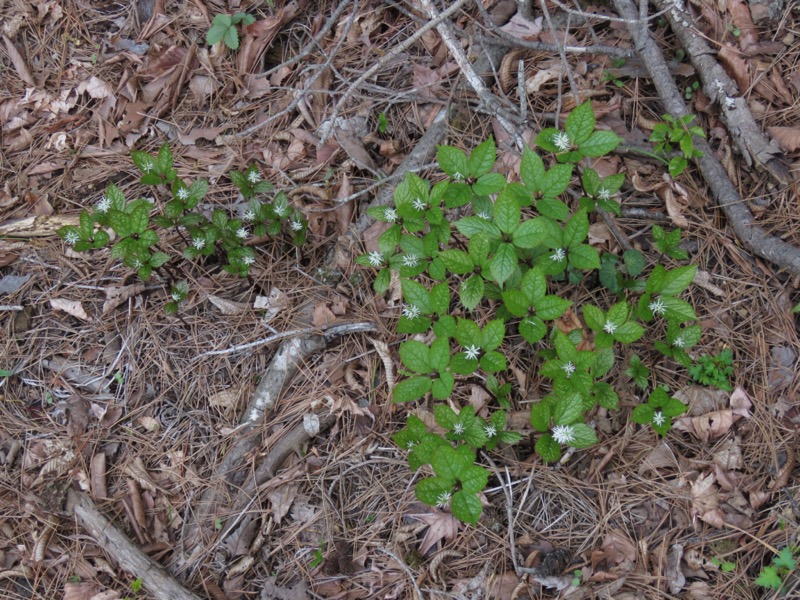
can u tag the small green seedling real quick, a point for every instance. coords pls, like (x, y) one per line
(658, 411)
(676, 131)
(773, 576)
(577, 577)
(318, 555)
(638, 372)
(223, 29)
(715, 371)
(690, 90)
(725, 566)
(383, 123)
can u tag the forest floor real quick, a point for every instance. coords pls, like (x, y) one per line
(108, 402)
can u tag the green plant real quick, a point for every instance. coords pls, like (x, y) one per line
(511, 250)
(714, 371)
(219, 238)
(608, 76)
(680, 132)
(774, 575)
(223, 29)
(734, 30)
(690, 90)
(659, 411)
(318, 555)
(577, 577)
(725, 566)
(638, 372)
(383, 123)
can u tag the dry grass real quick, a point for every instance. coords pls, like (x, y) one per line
(138, 394)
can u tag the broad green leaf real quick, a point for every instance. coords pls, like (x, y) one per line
(568, 410)
(540, 416)
(603, 362)
(531, 170)
(466, 507)
(439, 354)
(198, 189)
(468, 333)
(440, 299)
(471, 292)
(449, 463)
(551, 307)
(585, 436)
(678, 280)
(605, 395)
(506, 213)
(516, 302)
(491, 183)
(164, 158)
(565, 348)
(643, 414)
(482, 158)
(545, 140)
(432, 490)
(493, 362)
(231, 38)
(556, 180)
(417, 295)
(584, 257)
(532, 233)
(453, 162)
(479, 249)
(469, 226)
(629, 332)
(553, 208)
(576, 229)
(416, 356)
(86, 228)
(532, 329)
(594, 317)
(493, 334)
(148, 238)
(634, 262)
(120, 222)
(461, 365)
(618, 313)
(474, 478)
(613, 183)
(504, 263)
(600, 143)
(580, 123)
(411, 389)
(457, 194)
(656, 281)
(548, 449)
(382, 281)
(677, 310)
(590, 181)
(144, 162)
(442, 387)
(445, 416)
(769, 578)
(457, 261)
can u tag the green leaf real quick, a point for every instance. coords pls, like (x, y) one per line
(629, 332)
(493, 362)
(545, 140)
(120, 222)
(634, 262)
(678, 280)
(516, 302)
(411, 389)
(139, 219)
(590, 181)
(471, 292)
(231, 38)
(492, 335)
(158, 259)
(532, 233)
(164, 158)
(576, 230)
(584, 257)
(482, 159)
(565, 348)
(551, 307)
(532, 329)
(470, 226)
(453, 162)
(431, 489)
(504, 263)
(534, 284)
(442, 388)
(101, 239)
(86, 228)
(468, 333)
(568, 410)
(580, 123)
(466, 507)
(506, 213)
(553, 208)
(605, 395)
(417, 295)
(656, 281)
(769, 578)
(548, 449)
(594, 317)
(445, 416)
(531, 170)
(382, 281)
(643, 414)
(461, 365)
(785, 560)
(416, 356)
(556, 180)
(677, 310)
(585, 436)
(457, 261)
(474, 478)
(600, 143)
(540, 416)
(148, 238)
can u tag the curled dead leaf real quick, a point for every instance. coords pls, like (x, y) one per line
(788, 138)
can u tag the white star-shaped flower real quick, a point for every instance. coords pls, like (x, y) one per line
(183, 194)
(137, 264)
(249, 215)
(281, 208)
(375, 259)
(103, 205)
(71, 238)
(199, 243)
(679, 342)
(410, 260)
(610, 327)
(418, 205)
(458, 176)
(562, 141)
(248, 260)
(443, 499)
(253, 177)
(176, 296)
(410, 311)
(559, 255)
(296, 225)
(148, 166)
(241, 233)
(657, 307)
(484, 215)
(563, 434)
(659, 419)
(459, 428)
(568, 368)
(603, 194)
(390, 215)
(490, 430)
(471, 352)
(410, 444)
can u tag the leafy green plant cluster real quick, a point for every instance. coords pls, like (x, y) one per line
(224, 29)
(509, 251)
(773, 576)
(715, 371)
(205, 234)
(680, 132)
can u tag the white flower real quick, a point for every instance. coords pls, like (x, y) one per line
(490, 430)
(679, 342)
(410, 260)
(418, 205)
(148, 165)
(281, 208)
(657, 307)
(568, 368)
(459, 429)
(375, 259)
(458, 176)
(410, 444)
(248, 260)
(659, 419)
(563, 434)
(484, 215)
(562, 141)
(472, 352)
(410, 311)
(610, 327)
(296, 225)
(183, 193)
(253, 177)
(71, 238)
(390, 215)
(241, 233)
(199, 243)
(103, 205)
(137, 264)
(559, 255)
(249, 215)
(443, 499)
(603, 194)
(176, 296)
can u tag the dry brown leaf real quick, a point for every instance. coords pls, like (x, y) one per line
(200, 133)
(705, 501)
(322, 315)
(80, 591)
(138, 505)
(441, 526)
(259, 35)
(354, 148)
(138, 472)
(788, 138)
(675, 577)
(18, 62)
(280, 500)
(116, 296)
(617, 548)
(227, 307)
(272, 305)
(522, 28)
(271, 591)
(225, 400)
(238, 542)
(71, 307)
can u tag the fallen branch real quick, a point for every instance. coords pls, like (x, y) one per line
(748, 232)
(114, 543)
(752, 143)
